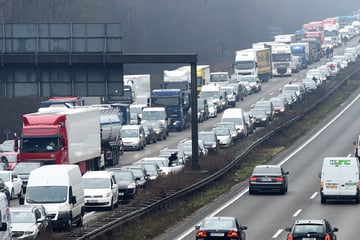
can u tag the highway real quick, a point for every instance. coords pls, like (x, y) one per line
(267, 215)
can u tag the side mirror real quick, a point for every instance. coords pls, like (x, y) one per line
(197, 227)
(243, 227)
(288, 229)
(319, 174)
(72, 200)
(335, 229)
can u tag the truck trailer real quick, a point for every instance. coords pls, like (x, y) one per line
(63, 136)
(254, 61)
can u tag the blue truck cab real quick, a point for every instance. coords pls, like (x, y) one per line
(177, 105)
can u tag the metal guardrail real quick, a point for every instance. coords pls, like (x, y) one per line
(190, 189)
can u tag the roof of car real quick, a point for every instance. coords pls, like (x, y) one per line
(268, 166)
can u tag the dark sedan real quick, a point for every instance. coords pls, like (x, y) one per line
(210, 140)
(150, 135)
(267, 178)
(159, 129)
(320, 229)
(126, 182)
(260, 117)
(220, 228)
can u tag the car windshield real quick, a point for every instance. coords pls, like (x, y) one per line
(207, 137)
(22, 217)
(129, 133)
(209, 94)
(218, 224)
(46, 194)
(236, 120)
(96, 183)
(123, 175)
(137, 172)
(228, 126)
(221, 131)
(185, 147)
(314, 228)
(5, 176)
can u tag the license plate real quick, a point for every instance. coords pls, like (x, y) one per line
(331, 186)
(308, 239)
(217, 234)
(266, 179)
(92, 201)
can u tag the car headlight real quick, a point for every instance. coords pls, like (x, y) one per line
(263, 119)
(106, 195)
(157, 132)
(213, 146)
(131, 185)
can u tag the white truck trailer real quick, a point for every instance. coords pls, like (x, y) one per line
(253, 61)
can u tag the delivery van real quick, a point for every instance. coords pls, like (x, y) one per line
(339, 179)
(5, 224)
(59, 188)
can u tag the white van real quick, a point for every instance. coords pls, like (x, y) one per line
(101, 189)
(236, 115)
(339, 179)
(5, 225)
(59, 188)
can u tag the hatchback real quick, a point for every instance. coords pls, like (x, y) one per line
(133, 137)
(266, 178)
(220, 228)
(210, 140)
(267, 106)
(319, 229)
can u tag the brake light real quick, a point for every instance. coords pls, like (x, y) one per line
(201, 234)
(327, 237)
(232, 234)
(253, 179)
(321, 186)
(279, 179)
(290, 237)
(357, 186)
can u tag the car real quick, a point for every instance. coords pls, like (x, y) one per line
(150, 135)
(210, 140)
(23, 170)
(295, 64)
(126, 182)
(310, 85)
(100, 189)
(201, 146)
(239, 90)
(186, 147)
(247, 88)
(152, 169)
(325, 69)
(159, 129)
(312, 229)
(133, 137)
(254, 82)
(259, 116)
(266, 178)
(5, 189)
(279, 106)
(29, 222)
(289, 98)
(267, 106)
(232, 127)
(297, 88)
(230, 95)
(140, 174)
(220, 227)
(162, 162)
(13, 182)
(224, 137)
(7, 146)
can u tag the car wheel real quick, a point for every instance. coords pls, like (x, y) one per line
(80, 222)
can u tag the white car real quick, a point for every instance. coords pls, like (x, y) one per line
(100, 189)
(212, 109)
(342, 60)
(13, 182)
(224, 137)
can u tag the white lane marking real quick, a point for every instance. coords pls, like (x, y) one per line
(277, 233)
(314, 195)
(319, 132)
(297, 213)
(190, 230)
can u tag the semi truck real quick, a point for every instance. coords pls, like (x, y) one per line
(314, 48)
(140, 86)
(301, 50)
(281, 59)
(63, 136)
(253, 61)
(285, 38)
(180, 78)
(177, 105)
